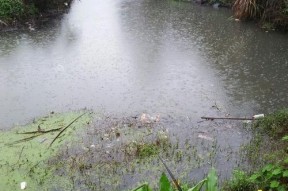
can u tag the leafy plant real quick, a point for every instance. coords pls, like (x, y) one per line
(11, 8)
(273, 176)
(209, 183)
(239, 182)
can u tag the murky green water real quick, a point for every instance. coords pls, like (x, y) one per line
(128, 57)
(132, 56)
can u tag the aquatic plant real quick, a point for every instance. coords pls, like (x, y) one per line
(25, 151)
(209, 184)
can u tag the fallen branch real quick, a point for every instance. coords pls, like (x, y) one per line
(229, 118)
(24, 140)
(40, 131)
(2, 22)
(21, 153)
(171, 175)
(65, 128)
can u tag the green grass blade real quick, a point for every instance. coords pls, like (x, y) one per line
(211, 180)
(164, 183)
(143, 187)
(198, 186)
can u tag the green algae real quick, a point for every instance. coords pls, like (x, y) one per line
(108, 154)
(24, 157)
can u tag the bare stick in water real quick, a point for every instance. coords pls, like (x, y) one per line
(65, 128)
(171, 175)
(229, 118)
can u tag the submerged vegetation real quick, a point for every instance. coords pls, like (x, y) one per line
(267, 153)
(48, 154)
(25, 150)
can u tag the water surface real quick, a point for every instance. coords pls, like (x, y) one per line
(127, 57)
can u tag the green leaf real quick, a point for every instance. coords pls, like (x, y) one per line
(268, 168)
(286, 160)
(285, 138)
(198, 185)
(281, 188)
(143, 187)
(274, 184)
(277, 171)
(211, 183)
(164, 183)
(254, 177)
(285, 173)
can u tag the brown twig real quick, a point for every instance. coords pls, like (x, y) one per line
(65, 128)
(171, 175)
(24, 140)
(41, 131)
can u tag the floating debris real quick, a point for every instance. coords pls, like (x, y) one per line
(201, 136)
(145, 118)
(23, 185)
(258, 116)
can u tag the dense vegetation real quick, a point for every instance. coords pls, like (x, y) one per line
(268, 150)
(270, 13)
(21, 10)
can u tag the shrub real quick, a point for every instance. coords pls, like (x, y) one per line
(11, 9)
(275, 125)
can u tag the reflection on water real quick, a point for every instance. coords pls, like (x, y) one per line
(142, 56)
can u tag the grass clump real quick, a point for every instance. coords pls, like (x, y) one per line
(146, 150)
(239, 182)
(11, 9)
(270, 12)
(270, 177)
(275, 125)
(268, 154)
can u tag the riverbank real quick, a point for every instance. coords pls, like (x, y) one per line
(267, 153)
(27, 13)
(85, 150)
(270, 15)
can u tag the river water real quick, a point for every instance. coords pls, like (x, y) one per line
(127, 57)
(134, 56)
